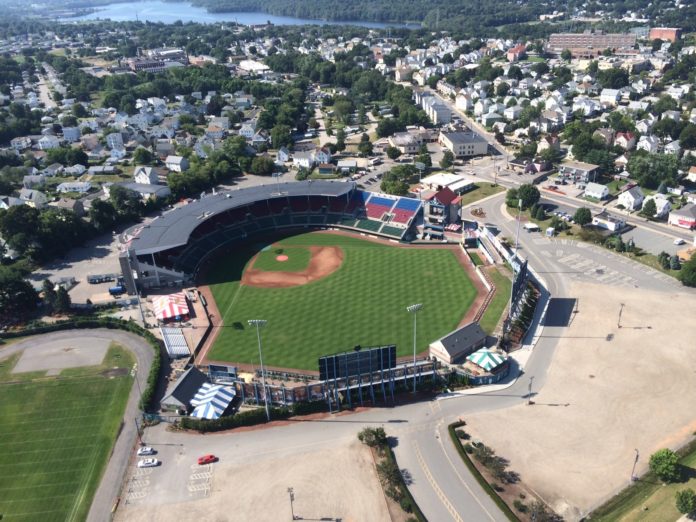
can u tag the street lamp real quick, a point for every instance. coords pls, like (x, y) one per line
(414, 309)
(514, 261)
(633, 471)
(291, 492)
(258, 323)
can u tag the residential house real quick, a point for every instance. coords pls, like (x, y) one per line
(322, 155)
(550, 141)
(684, 217)
(81, 187)
(596, 191)
(405, 142)
(53, 170)
(625, 140)
(577, 171)
(33, 198)
(610, 97)
(48, 142)
(72, 134)
(608, 222)
(146, 191)
(9, 201)
(176, 163)
(115, 141)
(145, 175)
(604, 134)
(75, 170)
(488, 119)
(673, 147)
(74, 205)
(517, 53)
(20, 143)
(463, 102)
(662, 204)
(512, 113)
(248, 129)
(691, 175)
(283, 155)
(632, 198)
(303, 159)
(648, 144)
(33, 180)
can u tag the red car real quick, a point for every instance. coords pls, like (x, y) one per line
(207, 459)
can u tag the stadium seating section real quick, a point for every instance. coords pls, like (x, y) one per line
(375, 213)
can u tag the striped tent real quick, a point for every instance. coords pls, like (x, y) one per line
(172, 306)
(486, 359)
(211, 401)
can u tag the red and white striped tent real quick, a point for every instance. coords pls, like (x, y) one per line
(172, 306)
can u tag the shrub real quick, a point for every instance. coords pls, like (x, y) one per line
(520, 506)
(686, 501)
(664, 464)
(406, 505)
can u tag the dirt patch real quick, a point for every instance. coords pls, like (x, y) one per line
(324, 262)
(114, 372)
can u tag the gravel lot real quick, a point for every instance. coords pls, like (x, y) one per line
(602, 398)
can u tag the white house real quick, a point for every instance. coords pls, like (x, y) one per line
(632, 198)
(283, 155)
(648, 144)
(80, 187)
(145, 175)
(608, 222)
(49, 142)
(673, 147)
(115, 141)
(33, 198)
(303, 159)
(463, 102)
(662, 204)
(176, 163)
(625, 140)
(610, 96)
(322, 155)
(596, 191)
(20, 143)
(248, 129)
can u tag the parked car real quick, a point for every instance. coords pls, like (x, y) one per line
(148, 463)
(679, 241)
(207, 459)
(145, 450)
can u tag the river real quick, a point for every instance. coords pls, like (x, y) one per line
(165, 12)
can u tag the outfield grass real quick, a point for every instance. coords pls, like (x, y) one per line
(364, 302)
(298, 260)
(501, 298)
(56, 434)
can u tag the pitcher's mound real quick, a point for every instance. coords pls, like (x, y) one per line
(324, 262)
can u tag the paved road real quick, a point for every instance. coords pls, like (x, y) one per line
(110, 484)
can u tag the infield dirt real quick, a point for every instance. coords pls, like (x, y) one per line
(325, 261)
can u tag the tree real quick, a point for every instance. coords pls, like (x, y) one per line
(529, 195)
(540, 214)
(281, 136)
(340, 144)
(674, 263)
(62, 301)
(393, 153)
(582, 216)
(102, 215)
(566, 55)
(664, 259)
(17, 297)
(686, 501)
(49, 293)
(142, 156)
(687, 275)
(447, 160)
(365, 148)
(664, 464)
(649, 209)
(262, 166)
(372, 437)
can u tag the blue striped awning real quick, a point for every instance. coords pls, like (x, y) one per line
(211, 401)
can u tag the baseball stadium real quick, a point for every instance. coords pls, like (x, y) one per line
(328, 266)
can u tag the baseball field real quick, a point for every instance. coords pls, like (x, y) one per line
(56, 434)
(324, 293)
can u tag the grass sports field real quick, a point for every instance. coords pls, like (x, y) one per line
(56, 434)
(363, 302)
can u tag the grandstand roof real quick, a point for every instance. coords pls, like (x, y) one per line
(174, 228)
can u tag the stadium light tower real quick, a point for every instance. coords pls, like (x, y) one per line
(258, 323)
(414, 309)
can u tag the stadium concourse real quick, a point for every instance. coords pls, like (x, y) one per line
(169, 250)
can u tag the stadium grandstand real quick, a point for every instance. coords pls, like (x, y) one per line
(169, 250)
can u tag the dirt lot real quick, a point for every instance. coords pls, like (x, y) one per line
(603, 398)
(325, 261)
(329, 484)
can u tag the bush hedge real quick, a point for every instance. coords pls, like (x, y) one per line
(251, 417)
(407, 502)
(477, 475)
(147, 401)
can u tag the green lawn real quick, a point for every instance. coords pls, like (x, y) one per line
(56, 435)
(364, 302)
(475, 258)
(298, 259)
(501, 298)
(482, 190)
(649, 492)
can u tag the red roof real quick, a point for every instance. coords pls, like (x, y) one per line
(446, 196)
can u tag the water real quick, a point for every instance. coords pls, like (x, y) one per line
(157, 11)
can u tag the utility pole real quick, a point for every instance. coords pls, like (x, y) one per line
(291, 493)
(633, 471)
(529, 394)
